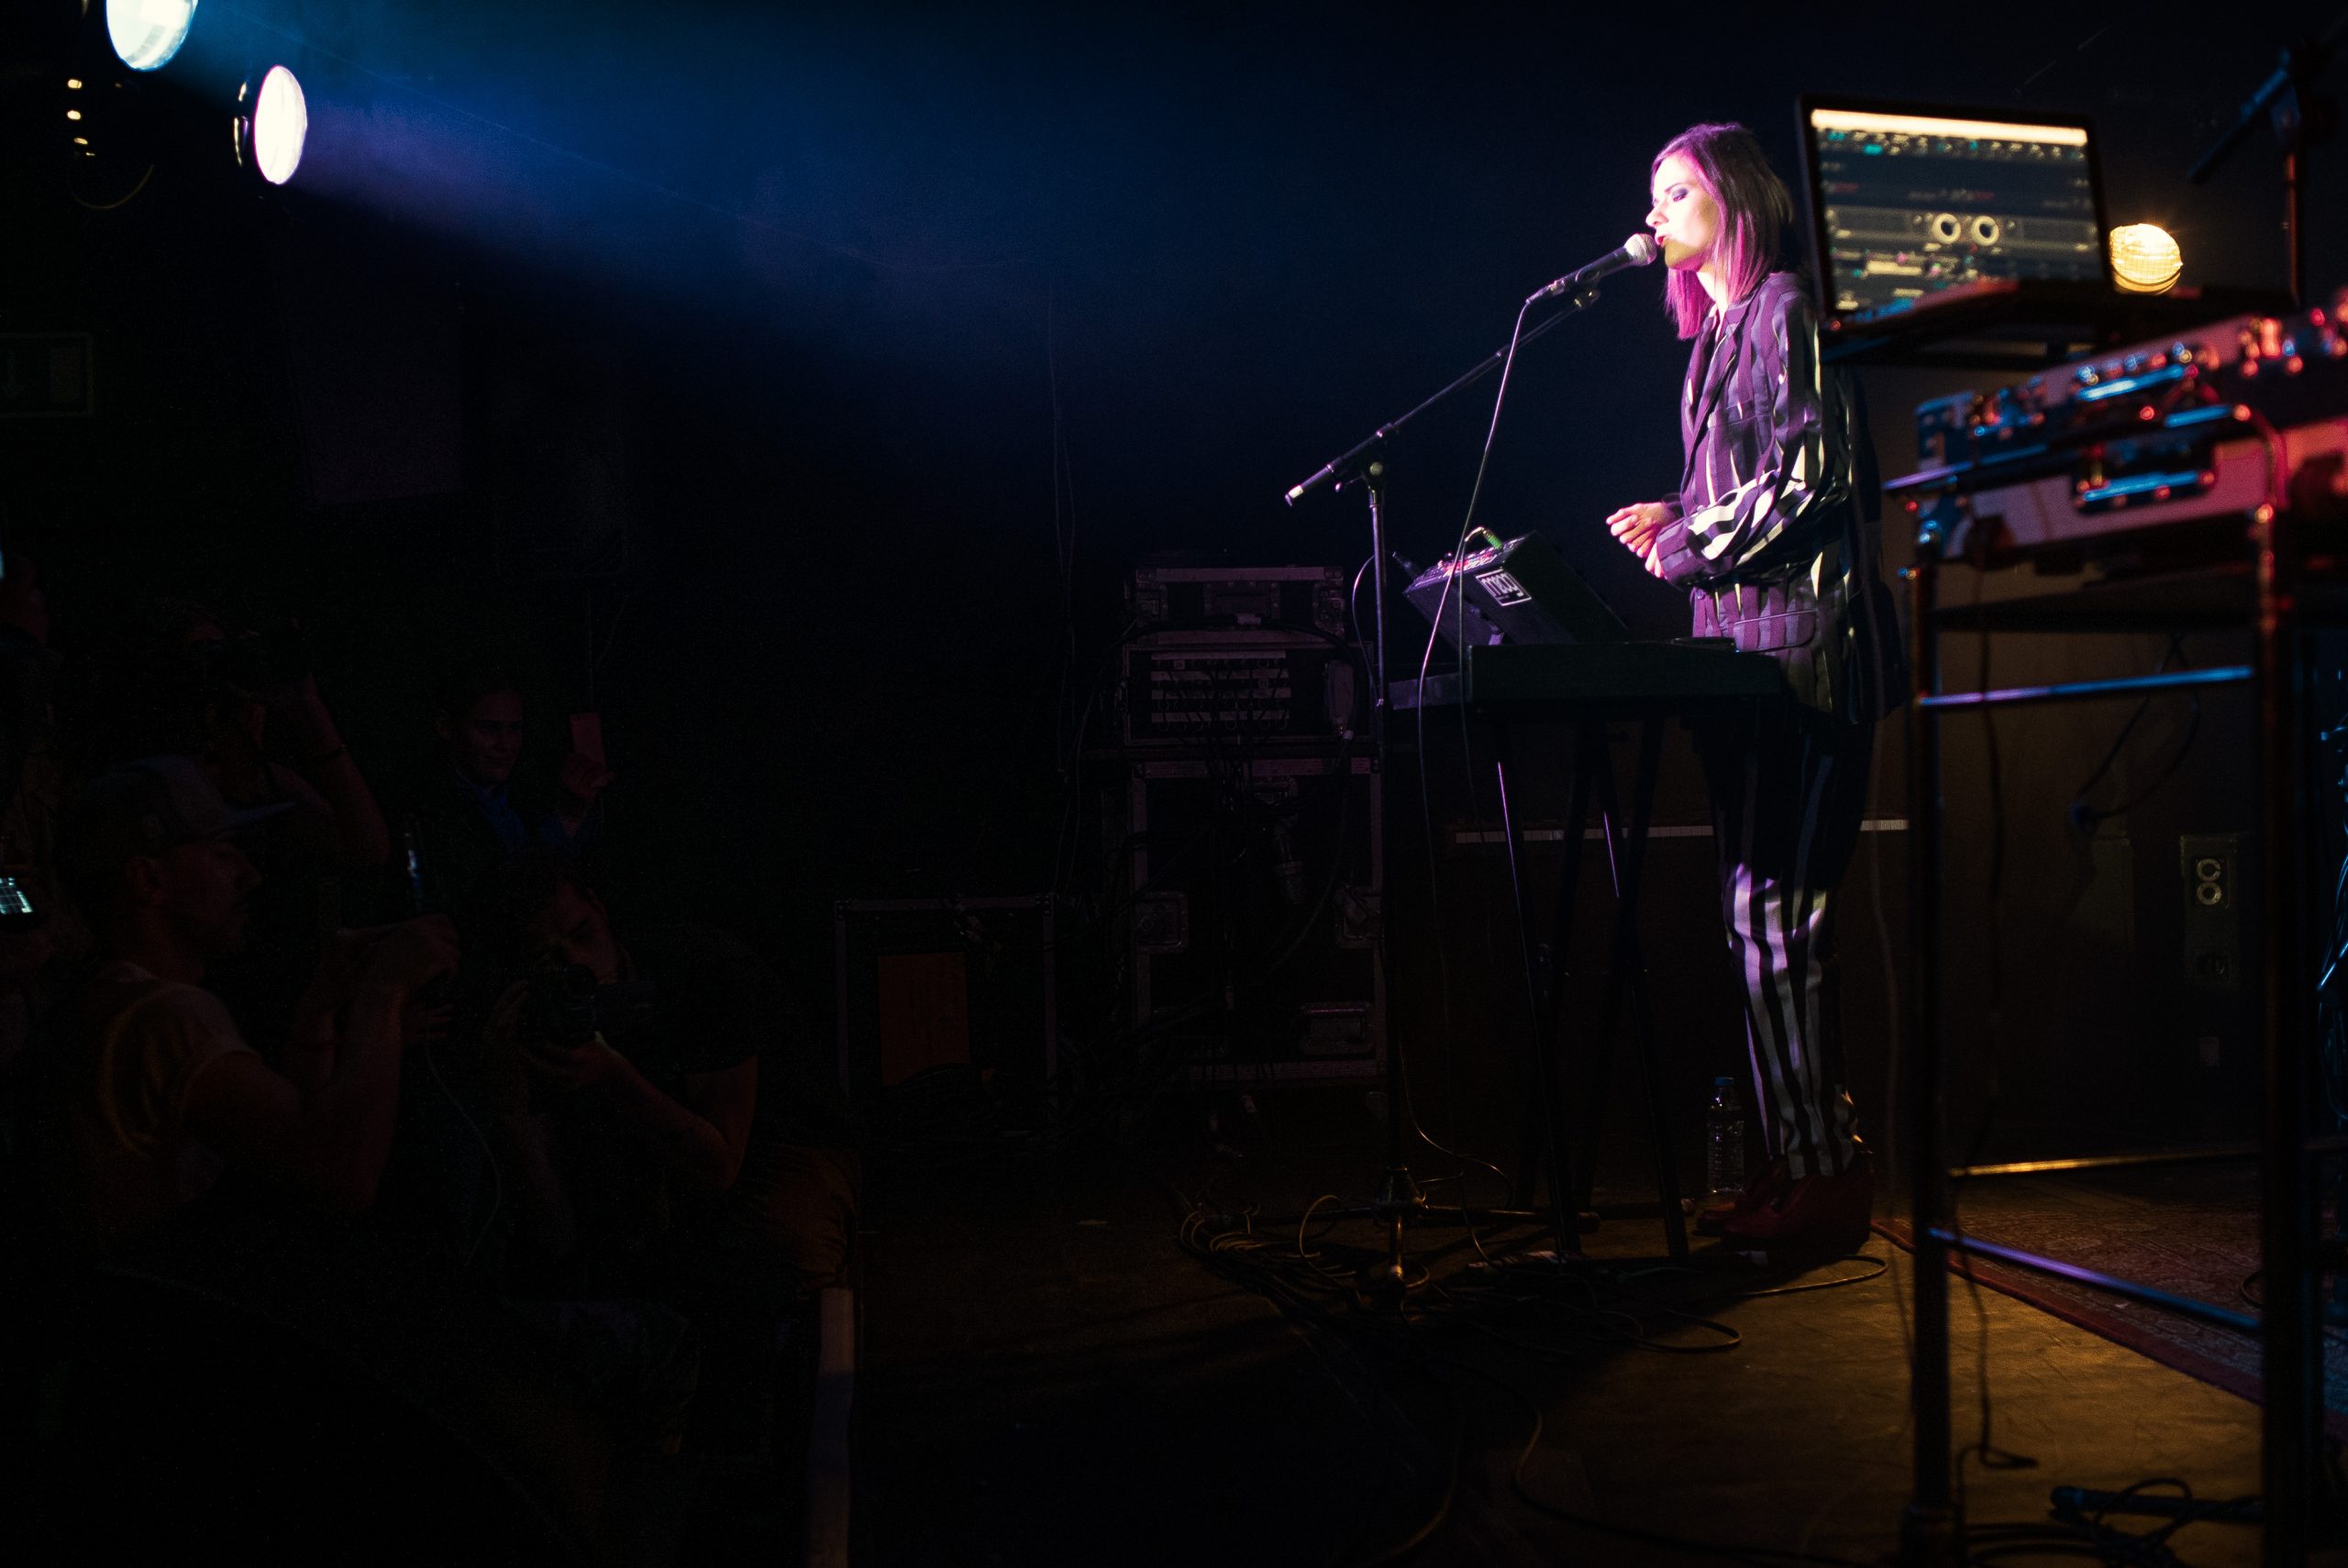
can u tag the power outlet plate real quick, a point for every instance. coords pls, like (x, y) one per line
(2209, 877)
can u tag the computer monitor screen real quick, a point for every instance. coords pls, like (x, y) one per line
(1907, 204)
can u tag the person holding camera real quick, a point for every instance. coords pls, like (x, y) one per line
(643, 1111)
(179, 679)
(653, 1098)
(156, 1093)
(274, 706)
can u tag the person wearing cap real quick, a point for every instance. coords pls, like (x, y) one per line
(158, 1092)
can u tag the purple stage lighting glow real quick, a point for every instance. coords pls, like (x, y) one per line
(269, 132)
(146, 33)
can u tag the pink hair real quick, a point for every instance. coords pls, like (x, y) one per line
(1755, 210)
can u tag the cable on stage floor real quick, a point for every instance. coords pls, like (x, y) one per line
(1555, 1313)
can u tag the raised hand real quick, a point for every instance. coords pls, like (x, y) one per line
(410, 956)
(582, 779)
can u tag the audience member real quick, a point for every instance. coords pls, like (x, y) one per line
(159, 1092)
(678, 1145)
(27, 667)
(178, 680)
(224, 1057)
(31, 787)
(170, 1152)
(465, 815)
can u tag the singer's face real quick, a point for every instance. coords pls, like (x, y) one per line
(1685, 219)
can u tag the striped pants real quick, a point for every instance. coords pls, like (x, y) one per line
(1789, 796)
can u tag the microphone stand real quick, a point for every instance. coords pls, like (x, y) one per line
(1400, 1202)
(2299, 117)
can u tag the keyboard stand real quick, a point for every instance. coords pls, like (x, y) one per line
(1544, 979)
(1590, 687)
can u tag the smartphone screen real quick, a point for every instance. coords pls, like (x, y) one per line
(17, 912)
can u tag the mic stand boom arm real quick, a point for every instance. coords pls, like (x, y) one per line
(1399, 1197)
(1348, 466)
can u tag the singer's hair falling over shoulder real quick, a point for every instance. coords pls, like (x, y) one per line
(1755, 210)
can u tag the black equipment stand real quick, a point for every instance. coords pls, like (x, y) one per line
(1400, 1202)
(2280, 599)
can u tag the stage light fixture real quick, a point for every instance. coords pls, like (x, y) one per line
(146, 33)
(2145, 259)
(272, 123)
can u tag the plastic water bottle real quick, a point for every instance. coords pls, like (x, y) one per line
(1725, 1141)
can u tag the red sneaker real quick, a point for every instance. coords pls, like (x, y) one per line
(1712, 1218)
(1823, 1215)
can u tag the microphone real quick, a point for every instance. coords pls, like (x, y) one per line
(1636, 251)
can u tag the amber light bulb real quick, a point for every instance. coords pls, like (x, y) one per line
(2145, 259)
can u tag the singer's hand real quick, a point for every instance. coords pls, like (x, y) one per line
(1636, 525)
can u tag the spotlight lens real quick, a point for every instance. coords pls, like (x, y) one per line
(281, 124)
(146, 33)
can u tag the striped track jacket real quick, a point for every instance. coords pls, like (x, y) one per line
(1773, 529)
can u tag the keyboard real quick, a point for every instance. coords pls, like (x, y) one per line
(1595, 680)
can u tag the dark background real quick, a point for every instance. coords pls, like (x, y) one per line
(753, 375)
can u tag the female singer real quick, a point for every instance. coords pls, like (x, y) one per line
(1771, 532)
